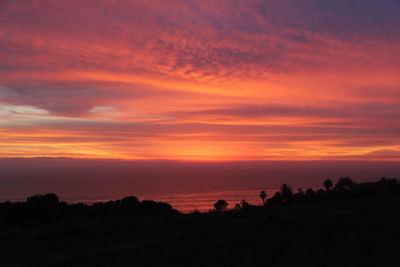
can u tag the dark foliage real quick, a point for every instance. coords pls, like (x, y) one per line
(351, 224)
(221, 205)
(344, 183)
(276, 199)
(243, 205)
(328, 184)
(344, 188)
(263, 196)
(48, 207)
(286, 192)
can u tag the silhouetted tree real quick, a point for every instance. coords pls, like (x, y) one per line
(49, 207)
(244, 204)
(299, 195)
(263, 196)
(344, 183)
(43, 207)
(130, 204)
(286, 192)
(131, 200)
(46, 200)
(328, 184)
(221, 205)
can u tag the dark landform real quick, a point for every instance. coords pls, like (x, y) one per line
(344, 224)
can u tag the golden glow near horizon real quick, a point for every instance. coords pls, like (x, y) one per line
(200, 80)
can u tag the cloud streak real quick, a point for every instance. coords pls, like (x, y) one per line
(200, 79)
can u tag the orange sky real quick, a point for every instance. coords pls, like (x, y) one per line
(200, 80)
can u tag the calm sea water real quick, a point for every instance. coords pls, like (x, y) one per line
(187, 186)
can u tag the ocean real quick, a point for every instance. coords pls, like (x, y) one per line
(187, 186)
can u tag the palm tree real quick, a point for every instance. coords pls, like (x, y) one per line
(263, 196)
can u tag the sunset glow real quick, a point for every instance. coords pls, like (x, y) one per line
(200, 80)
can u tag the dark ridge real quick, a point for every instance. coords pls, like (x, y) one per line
(48, 207)
(344, 224)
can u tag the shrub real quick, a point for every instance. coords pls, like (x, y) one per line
(221, 205)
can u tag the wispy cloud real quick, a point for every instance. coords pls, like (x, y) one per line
(200, 79)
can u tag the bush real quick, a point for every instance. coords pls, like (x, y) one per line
(221, 205)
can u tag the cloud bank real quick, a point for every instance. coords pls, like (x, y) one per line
(200, 79)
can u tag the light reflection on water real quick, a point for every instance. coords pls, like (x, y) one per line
(184, 202)
(186, 186)
(205, 201)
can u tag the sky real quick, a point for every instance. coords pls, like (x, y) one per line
(200, 79)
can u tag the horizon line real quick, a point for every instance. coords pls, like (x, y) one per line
(205, 160)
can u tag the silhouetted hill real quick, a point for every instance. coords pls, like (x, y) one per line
(48, 207)
(346, 225)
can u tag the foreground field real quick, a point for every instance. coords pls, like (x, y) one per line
(348, 232)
